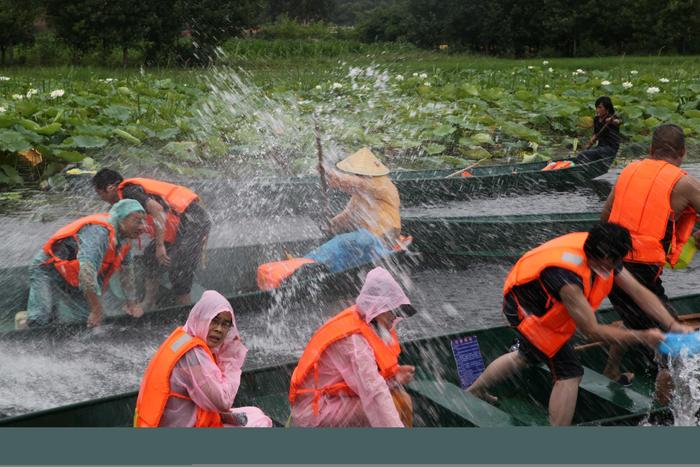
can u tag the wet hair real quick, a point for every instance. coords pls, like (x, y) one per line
(667, 140)
(106, 177)
(607, 240)
(607, 103)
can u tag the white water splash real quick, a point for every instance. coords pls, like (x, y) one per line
(685, 403)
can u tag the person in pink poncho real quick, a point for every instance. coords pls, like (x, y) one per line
(348, 375)
(206, 357)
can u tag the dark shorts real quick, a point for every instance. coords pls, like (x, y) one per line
(185, 253)
(634, 317)
(565, 364)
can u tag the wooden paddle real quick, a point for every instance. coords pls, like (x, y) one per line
(597, 135)
(454, 174)
(322, 174)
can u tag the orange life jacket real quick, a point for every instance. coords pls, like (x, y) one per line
(69, 269)
(342, 325)
(155, 387)
(177, 197)
(642, 204)
(552, 330)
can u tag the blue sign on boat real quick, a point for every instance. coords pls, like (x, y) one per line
(470, 363)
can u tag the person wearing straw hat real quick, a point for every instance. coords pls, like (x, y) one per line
(69, 274)
(374, 199)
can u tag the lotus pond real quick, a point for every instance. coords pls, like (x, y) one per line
(418, 109)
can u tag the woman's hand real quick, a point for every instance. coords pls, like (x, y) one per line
(405, 374)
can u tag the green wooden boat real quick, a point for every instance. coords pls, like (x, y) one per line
(416, 187)
(492, 236)
(438, 399)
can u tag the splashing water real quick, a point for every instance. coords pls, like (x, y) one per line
(685, 403)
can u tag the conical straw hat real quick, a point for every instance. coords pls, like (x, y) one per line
(363, 162)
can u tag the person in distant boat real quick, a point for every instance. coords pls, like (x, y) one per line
(179, 225)
(374, 200)
(194, 377)
(606, 132)
(69, 274)
(658, 203)
(349, 374)
(553, 291)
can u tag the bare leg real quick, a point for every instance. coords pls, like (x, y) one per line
(149, 299)
(612, 367)
(664, 387)
(562, 401)
(183, 299)
(502, 368)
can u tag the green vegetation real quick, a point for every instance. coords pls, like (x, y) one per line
(417, 108)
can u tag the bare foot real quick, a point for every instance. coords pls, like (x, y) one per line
(484, 395)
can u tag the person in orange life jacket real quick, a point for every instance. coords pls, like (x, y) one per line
(658, 202)
(374, 200)
(194, 376)
(348, 375)
(180, 227)
(606, 132)
(68, 275)
(553, 291)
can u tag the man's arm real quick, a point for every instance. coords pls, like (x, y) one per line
(607, 207)
(648, 302)
(93, 241)
(581, 312)
(156, 211)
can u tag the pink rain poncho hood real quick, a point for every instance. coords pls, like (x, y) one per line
(206, 309)
(380, 293)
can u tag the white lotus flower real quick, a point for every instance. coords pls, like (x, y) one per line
(336, 86)
(399, 77)
(580, 71)
(550, 69)
(633, 72)
(32, 92)
(627, 85)
(422, 76)
(2, 109)
(530, 67)
(4, 78)
(653, 90)
(57, 93)
(318, 87)
(17, 97)
(664, 80)
(546, 86)
(605, 82)
(415, 74)
(426, 84)
(545, 62)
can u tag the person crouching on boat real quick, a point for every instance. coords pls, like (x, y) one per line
(179, 225)
(606, 132)
(553, 291)
(349, 375)
(69, 274)
(193, 378)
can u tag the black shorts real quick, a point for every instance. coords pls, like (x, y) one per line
(565, 364)
(185, 253)
(633, 316)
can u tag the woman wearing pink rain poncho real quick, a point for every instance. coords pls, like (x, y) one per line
(348, 375)
(194, 376)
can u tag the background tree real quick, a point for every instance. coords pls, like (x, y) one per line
(16, 24)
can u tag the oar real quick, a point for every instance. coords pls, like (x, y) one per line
(454, 174)
(322, 174)
(597, 135)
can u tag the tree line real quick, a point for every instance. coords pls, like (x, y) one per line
(189, 31)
